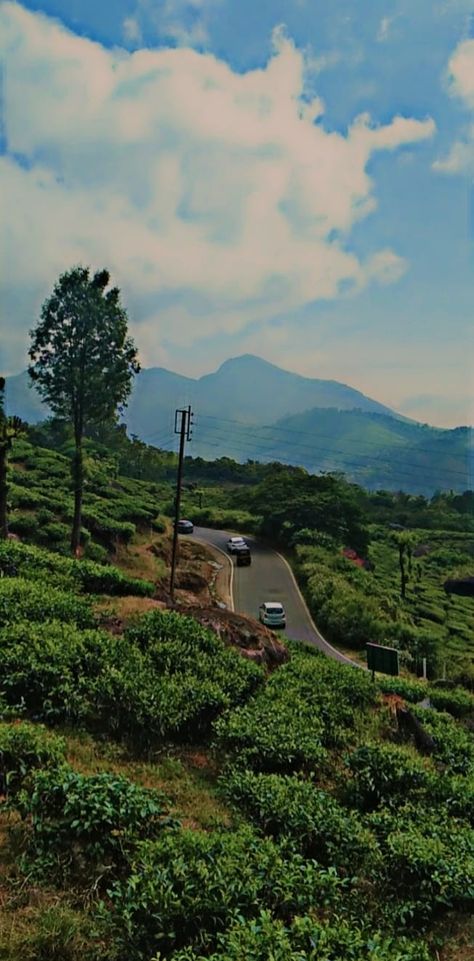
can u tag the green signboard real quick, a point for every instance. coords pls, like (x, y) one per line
(382, 659)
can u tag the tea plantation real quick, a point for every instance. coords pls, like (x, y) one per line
(163, 798)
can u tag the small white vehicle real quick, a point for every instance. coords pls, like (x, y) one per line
(272, 614)
(234, 543)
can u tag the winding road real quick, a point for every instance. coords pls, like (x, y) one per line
(270, 578)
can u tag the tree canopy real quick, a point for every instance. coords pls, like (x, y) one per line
(82, 359)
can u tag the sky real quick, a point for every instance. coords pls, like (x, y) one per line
(288, 178)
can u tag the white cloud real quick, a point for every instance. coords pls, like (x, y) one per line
(461, 85)
(131, 30)
(384, 29)
(212, 196)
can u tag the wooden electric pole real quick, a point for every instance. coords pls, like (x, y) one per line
(184, 431)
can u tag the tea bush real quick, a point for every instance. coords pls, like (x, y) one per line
(273, 735)
(60, 673)
(23, 748)
(383, 773)
(84, 824)
(306, 707)
(35, 563)
(188, 887)
(456, 701)
(411, 691)
(50, 668)
(290, 807)
(106, 528)
(454, 746)
(265, 938)
(33, 601)
(100, 579)
(428, 863)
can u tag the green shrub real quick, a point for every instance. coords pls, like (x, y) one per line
(231, 519)
(81, 825)
(293, 808)
(188, 887)
(55, 533)
(265, 938)
(96, 579)
(456, 701)
(95, 552)
(106, 528)
(428, 863)
(23, 748)
(269, 735)
(158, 525)
(454, 745)
(25, 525)
(308, 705)
(383, 773)
(25, 497)
(412, 691)
(51, 668)
(32, 601)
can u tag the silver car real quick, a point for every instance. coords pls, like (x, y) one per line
(272, 614)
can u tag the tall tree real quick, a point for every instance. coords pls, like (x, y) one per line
(404, 542)
(82, 361)
(10, 427)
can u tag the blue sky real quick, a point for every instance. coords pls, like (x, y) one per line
(291, 178)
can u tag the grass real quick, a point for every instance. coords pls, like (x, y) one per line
(43, 924)
(187, 776)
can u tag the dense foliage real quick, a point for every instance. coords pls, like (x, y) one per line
(307, 824)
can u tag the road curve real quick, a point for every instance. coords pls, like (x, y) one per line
(270, 578)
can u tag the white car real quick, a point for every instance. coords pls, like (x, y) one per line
(272, 614)
(234, 543)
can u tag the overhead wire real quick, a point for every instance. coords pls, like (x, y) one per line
(336, 468)
(315, 449)
(306, 433)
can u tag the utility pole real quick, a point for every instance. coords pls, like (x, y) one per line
(184, 430)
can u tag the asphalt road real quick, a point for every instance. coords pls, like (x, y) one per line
(269, 578)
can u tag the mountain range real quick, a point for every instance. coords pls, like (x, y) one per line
(252, 409)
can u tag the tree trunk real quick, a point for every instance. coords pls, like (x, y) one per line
(403, 576)
(3, 491)
(78, 481)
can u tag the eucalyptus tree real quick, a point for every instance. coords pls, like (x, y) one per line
(83, 361)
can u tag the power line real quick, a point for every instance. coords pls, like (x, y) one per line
(305, 433)
(315, 450)
(340, 468)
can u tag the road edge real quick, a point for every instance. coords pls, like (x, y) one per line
(314, 626)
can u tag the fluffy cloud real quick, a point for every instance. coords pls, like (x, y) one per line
(217, 199)
(461, 84)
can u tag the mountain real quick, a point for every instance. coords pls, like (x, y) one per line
(246, 389)
(375, 450)
(251, 409)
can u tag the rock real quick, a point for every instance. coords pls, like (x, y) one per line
(254, 640)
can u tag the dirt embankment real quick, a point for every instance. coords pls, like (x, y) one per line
(202, 590)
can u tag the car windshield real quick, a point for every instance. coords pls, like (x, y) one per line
(275, 609)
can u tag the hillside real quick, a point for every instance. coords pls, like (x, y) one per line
(250, 409)
(164, 797)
